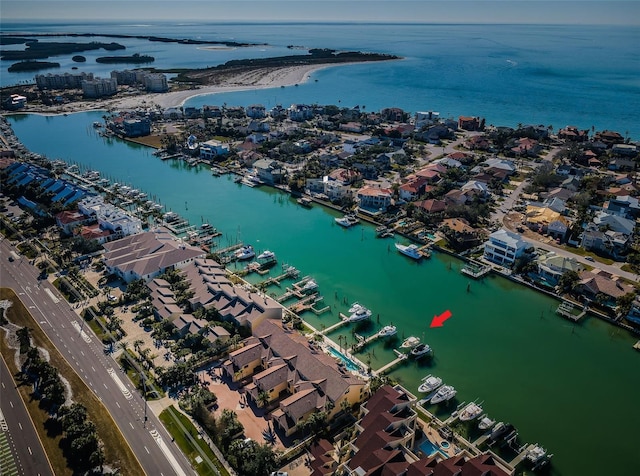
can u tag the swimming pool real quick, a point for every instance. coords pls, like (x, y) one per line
(429, 448)
(350, 364)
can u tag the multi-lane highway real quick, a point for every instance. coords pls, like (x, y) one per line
(21, 438)
(149, 440)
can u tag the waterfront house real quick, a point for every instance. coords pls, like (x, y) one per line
(302, 381)
(374, 199)
(212, 149)
(552, 266)
(610, 138)
(573, 134)
(147, 255)
(432, 205)
(393, 114)
(460, 234)
(299, 112)
(136, 127)
(601, 286)
(269, 171)
(469, 123)
(385, 438)
(256, 111)
(504, 247)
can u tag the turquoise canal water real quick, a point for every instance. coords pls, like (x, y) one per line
(574, 389)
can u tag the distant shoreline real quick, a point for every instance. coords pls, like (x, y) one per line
(259, 78)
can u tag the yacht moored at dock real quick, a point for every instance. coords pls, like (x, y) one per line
(245, 253)
(536, 453)
(410, 342)
(420, 351)
(309, 286)
(305, 202)
(267, 255)
(429, 384)
(387, 331)
(471, 411)
(347, 220)
(359, 315)
(409, 250)
(485, 423)
(445, 393)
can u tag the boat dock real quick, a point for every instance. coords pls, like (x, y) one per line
(475, 270)
(522, 454)
(306, 303)
(385, 368)
(337, 325)
(363, 341)
(289, 272)
(565, 309)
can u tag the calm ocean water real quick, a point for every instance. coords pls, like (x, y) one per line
(509, 74)
(573, 389)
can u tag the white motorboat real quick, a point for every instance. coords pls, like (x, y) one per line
(485, 423)
(267, 256)
(410, 342)
(410, 250)
(309, 286)
(354, 307)
(536, 453)
(471, 411)
(429, 384)
(360, 315)
(344, 221)
(420, 350)
(245, 253)
(387, 331)
(446, 392)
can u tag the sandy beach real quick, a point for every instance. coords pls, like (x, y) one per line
(261, 78)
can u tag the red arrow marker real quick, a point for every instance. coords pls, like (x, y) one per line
(438, 321)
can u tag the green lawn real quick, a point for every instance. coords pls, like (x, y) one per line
(190, 442)
(583, 252)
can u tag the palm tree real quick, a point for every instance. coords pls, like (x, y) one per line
(137, 344)
(263, 399)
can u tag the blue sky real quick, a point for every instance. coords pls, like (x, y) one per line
(428, 11)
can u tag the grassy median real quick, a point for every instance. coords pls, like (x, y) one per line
(191, 443)
(117, 452)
